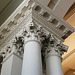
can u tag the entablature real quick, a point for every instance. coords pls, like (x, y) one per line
(39, 13)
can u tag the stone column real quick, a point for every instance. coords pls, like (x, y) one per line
(32, 63)
(54, 51)
(53, 64)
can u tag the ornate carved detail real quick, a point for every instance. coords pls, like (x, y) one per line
(31, 3)
(8, 49)
(25, 9)
(45, 49)
(11, 23)
(31, 32)
(63, 48)
(5, 30)
(19, 43)
(53, 21)
(52, 46)
(47, 42)
(5, 51)
(1, 36)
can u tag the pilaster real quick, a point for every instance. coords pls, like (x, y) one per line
(12, 57)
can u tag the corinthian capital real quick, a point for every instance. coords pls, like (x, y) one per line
(53, 46)
(63, 48)
(18, 43)
(33, 32)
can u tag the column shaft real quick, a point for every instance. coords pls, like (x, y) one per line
(32, 64)
(53, 65)
(54, 50)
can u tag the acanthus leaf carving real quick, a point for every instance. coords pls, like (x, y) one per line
(19, 43)
(6, 51)
(52, 46)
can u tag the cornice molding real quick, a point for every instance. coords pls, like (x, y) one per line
(32, 9)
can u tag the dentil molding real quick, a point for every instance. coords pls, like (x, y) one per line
(31, 11)
(38, 12)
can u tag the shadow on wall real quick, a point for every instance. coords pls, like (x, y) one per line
(1, 59)
(7, 7)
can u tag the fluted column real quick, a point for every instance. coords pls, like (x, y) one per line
(54, 51)
(32, 64)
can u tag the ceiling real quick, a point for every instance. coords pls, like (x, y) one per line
(71, 20)
(70, 41)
